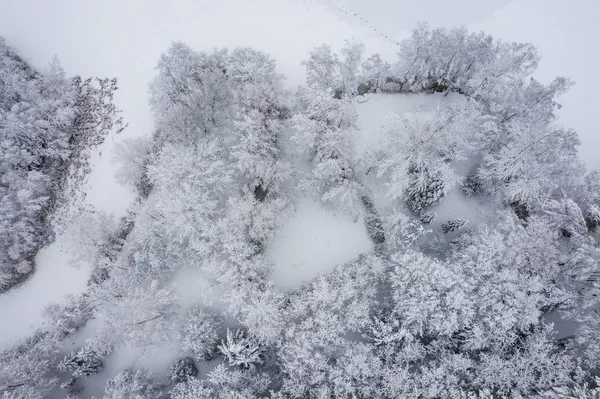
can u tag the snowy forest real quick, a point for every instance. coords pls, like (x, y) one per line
(471, 228)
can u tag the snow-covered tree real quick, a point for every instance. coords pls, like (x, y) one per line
(531, 165)
(241, 349)
(183, 369)
(535, 366)
(190, 94)
(27, 369)
(133, 312)
(470, 63)
(346, 74)
(190, 186)
(323, 128)
(82, 363)
(565, 216)
(49, 123)
(350, 65)
(417, 159)
(258, 98)
(453, 225)
(67, 318)
(322, 316)
(138, 384)
(401, 231)
(88, 236)
(322, 70)
(133, 157)
(375, 71)
(199, 334)
(224, 383)
(192, 389)
(580, 390)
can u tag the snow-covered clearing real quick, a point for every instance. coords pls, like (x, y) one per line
(376, 110)
(314, 241)
(193, 288)
(21, 307)
(455, 205)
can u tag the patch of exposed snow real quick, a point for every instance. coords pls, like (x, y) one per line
(21, 308)
(375, 111)
(313, 242)
(193, 288)
(157, 361)
(456, 205)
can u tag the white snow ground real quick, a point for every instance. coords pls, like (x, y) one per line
(313, 242)
(376, 110)
(193, 288)
(21, 307)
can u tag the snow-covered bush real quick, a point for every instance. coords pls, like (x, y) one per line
(453, 225)
(427, 217)
(182, 370)
(82, 363)
(373, 221)
(423, 190)
(199, 335)
(241, 349)
(132, 384)
(472, 186)
(592, 218)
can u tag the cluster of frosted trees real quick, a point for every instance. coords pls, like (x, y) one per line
(48, 125)
(438, 310)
